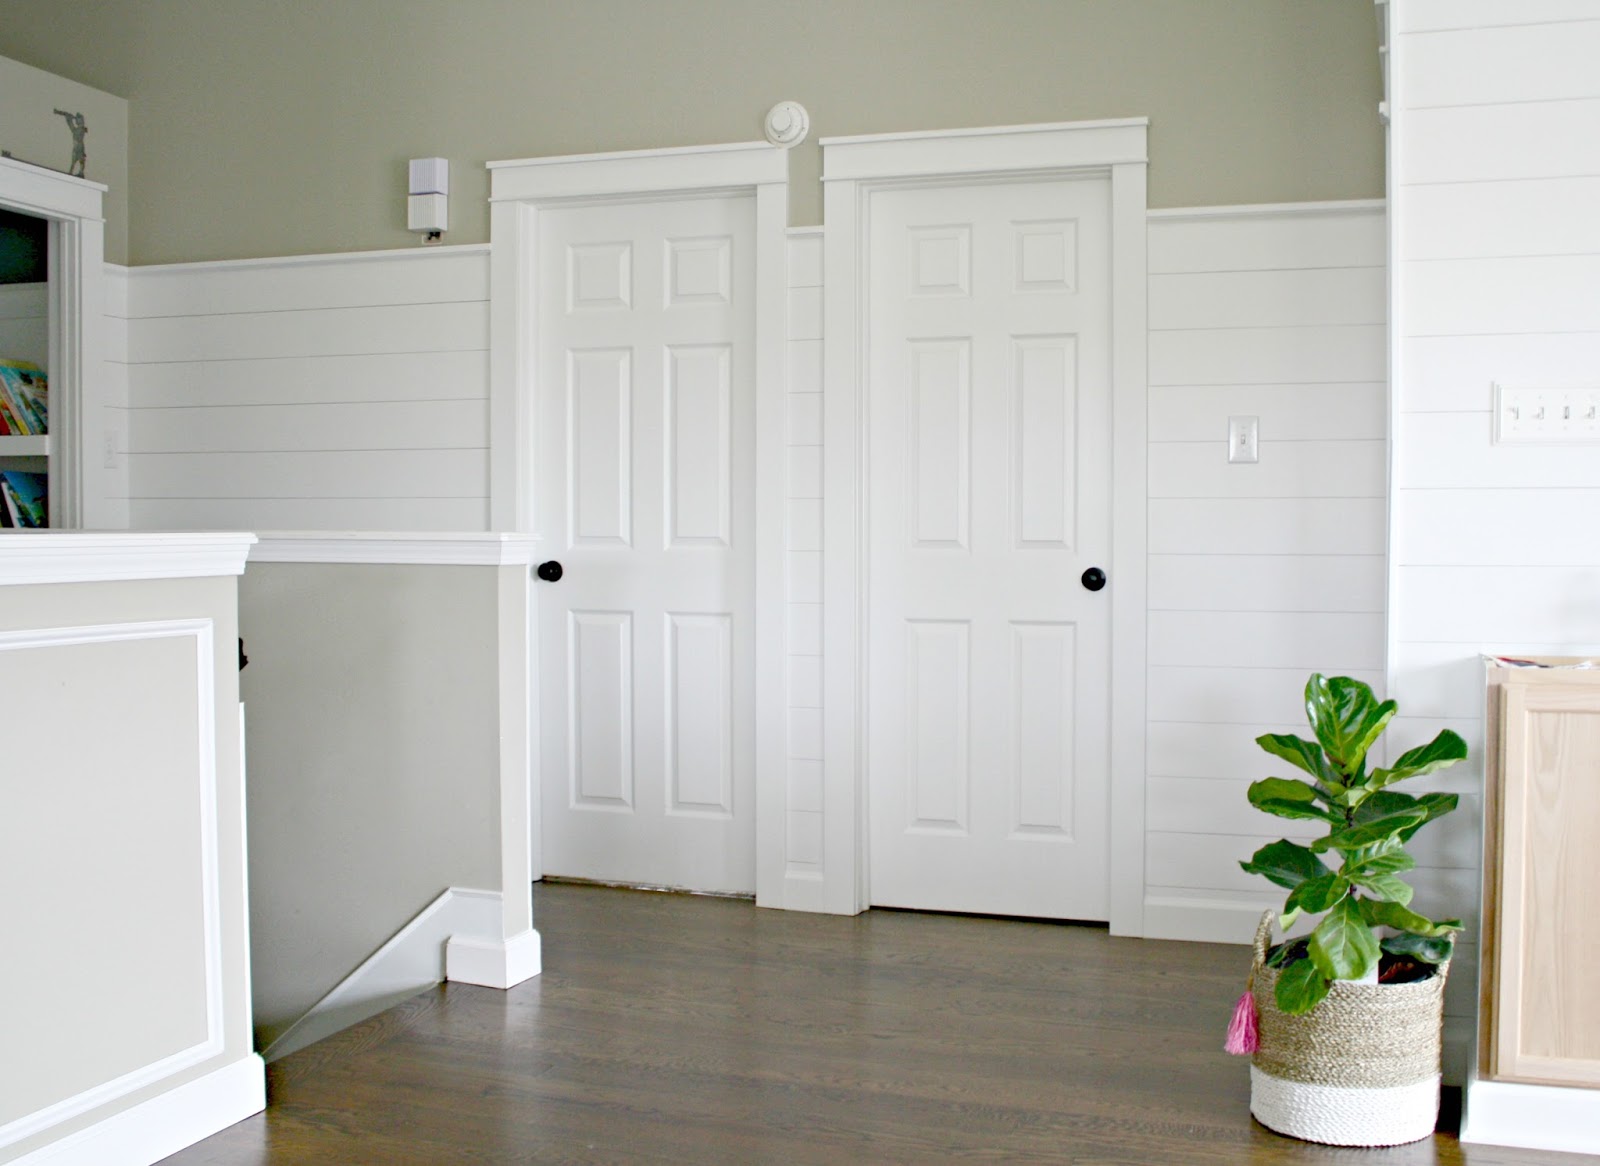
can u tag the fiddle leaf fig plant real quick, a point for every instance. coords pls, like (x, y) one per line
(1351, 874)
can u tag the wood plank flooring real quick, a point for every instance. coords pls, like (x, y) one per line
(671, 1028)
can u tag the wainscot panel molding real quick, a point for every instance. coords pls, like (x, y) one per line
(488, 549)
(74, 557)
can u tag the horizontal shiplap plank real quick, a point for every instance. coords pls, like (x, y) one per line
(1353, 583)
(1188, 805)
(419, 376)
(1286, 469)
(1267, 526)
(1436, 15)
(1239, 696)
(805, 366)
(1440, 680)
(1551, 610)
(1267, 242)
(448, 473)
(1447, 450)
(1327, 642)
(1477, 297)
(1244, 356)
(805, 313)
(369, 426)
(1552, 216)
(1534, 62)
(1268, 299)
(1458, 373)
(805, 260)
(428, 277)
(318, 332)
(1491, 143)
(1287, 412)
(1211, 862)
(1192, 749)
(1548, 527)
(440, 514)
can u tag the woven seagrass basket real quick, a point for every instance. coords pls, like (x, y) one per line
(1360, 1069)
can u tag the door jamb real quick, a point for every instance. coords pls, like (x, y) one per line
(518, 191)
(854, 167)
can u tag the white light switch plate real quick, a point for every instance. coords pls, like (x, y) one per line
(1528, 416)
(1244, 435)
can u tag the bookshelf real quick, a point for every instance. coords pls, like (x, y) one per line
(58, 324)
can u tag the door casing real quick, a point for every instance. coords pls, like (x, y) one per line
(853, 168)
(519, 190)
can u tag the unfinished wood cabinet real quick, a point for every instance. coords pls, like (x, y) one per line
(1540, 1017)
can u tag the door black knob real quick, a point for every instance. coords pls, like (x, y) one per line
(550, 572)
(1094, 578)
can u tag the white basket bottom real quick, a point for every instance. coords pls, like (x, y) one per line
(1338, 1116)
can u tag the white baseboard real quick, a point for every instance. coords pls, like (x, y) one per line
(493, 963)
(163, 1125)
(1532, 1117)
(409, 962)
(1202, 920)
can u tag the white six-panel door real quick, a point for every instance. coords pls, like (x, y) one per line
(646, 410)
(988, 497)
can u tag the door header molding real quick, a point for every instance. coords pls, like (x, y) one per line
(638, 172)
(995, 150)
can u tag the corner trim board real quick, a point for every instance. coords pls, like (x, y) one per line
(493, 963)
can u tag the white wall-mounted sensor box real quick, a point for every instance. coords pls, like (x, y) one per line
(427, 212)
(430, 176)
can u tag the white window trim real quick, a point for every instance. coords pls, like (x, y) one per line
(519, 190)
(853, 168)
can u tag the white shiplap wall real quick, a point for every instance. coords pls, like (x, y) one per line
(1495, 148)
(326, 392)
(1259, 573)
(804, 854)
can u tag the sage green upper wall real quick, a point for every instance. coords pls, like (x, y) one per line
(283, 128)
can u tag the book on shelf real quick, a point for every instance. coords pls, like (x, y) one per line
(24, 399)
(24, 499)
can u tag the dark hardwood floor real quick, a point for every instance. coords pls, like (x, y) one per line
(670, 1028)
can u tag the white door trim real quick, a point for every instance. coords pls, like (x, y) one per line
(518, 191)
(852, 169)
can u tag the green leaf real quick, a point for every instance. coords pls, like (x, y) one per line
(1402, 918)
(1444, 750)
(1390, 888)
(1286, 863)
(1347, 719)
(1288, 798)
(1297, 751)
(1422, 948)
(1300, 988)
(1394, 861)
(1317, 895)
(1436, 806)
(1373, 831)
(1343, 946)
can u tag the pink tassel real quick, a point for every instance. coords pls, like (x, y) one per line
(1244, 1037)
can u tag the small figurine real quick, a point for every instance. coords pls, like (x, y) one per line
(80, 130)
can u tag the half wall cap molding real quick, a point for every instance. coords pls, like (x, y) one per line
(104, 556)
(452, 548)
